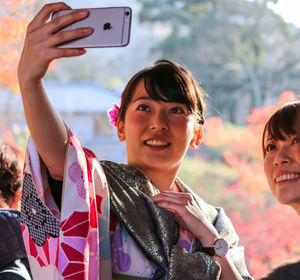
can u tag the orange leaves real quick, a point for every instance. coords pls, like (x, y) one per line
(243, 148)
(240, 140)
(215, 132)
(271, 237)
(249, 174)
(14, 18)
(261, 115)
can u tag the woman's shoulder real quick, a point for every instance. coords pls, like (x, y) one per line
(120, 169)
(112, 167)
(10, 215)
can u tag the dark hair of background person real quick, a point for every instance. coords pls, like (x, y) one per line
(11, 161)
(290, 271)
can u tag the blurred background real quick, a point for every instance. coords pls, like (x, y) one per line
(246, 56)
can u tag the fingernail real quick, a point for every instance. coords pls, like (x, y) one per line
(83, 13)
(87, 30)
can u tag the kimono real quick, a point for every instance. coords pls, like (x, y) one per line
(74, 243)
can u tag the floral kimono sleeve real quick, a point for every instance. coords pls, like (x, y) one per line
(74, 243)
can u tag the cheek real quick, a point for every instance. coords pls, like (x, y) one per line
(182, 124)
(136, 120)
(268, 165)
(297, 155)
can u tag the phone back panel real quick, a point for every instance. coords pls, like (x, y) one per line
(111, 28)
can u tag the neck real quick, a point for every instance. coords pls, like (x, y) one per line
(297, 208)
(3, 204)
(162, 179)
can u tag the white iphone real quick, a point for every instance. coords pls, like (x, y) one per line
(111, 28)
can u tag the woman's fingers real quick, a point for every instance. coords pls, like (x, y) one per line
(65, 36)
(41, 41)
(171, 197)
(48, 32)
(188, 215)
(60, 22)
(43, 15)
(69, 52)
(181, 203)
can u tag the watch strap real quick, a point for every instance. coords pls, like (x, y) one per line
(209, 251)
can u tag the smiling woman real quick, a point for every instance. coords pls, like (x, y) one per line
(85, 219)
(281, 149)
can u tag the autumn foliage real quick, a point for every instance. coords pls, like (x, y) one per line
(14, 17)
(269, 231)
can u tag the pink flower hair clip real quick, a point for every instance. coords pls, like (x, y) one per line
(113, 113)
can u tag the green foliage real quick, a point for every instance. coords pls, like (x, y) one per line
(208, 179)
(237, 48)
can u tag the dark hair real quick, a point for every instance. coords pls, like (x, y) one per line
(11, 159)
(285, 272)
(170, 82)
(281, 122)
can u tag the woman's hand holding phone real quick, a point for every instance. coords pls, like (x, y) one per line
(42, 38)
(45, 125)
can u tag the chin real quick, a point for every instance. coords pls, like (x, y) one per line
(288, 201)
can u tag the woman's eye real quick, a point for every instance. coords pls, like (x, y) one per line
(296, 140)
(270, 147)
(177, 110)
(143, 107)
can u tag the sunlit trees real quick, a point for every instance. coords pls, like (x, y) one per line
(234, 56)
(240, 50)
(14, 17)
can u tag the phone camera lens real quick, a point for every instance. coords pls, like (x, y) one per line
(127, 13)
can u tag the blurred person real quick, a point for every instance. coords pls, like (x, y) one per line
(281, 152)
(289, 271)
(13, 257)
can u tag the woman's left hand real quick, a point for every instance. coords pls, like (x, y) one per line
(188, 215)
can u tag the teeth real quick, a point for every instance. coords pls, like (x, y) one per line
(156, 143)
(286, 177)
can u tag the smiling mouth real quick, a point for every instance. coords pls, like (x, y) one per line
(286, 177)
(157, 143)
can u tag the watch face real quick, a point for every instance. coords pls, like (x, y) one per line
(221, 247)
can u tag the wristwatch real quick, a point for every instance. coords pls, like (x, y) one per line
(220, 248)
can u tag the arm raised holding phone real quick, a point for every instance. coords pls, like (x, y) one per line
(40, 48)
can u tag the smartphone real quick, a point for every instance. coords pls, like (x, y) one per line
(111, 28)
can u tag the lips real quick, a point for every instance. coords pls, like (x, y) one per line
(157, 143)
(287, 177)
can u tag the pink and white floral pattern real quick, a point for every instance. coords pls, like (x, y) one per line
(74, 253)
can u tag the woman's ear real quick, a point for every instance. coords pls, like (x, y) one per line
(121, 130)
(198, 135)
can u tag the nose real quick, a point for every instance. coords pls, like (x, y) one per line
(159, 120)
(282, 156)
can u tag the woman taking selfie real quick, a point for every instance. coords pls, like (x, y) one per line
(108, 220)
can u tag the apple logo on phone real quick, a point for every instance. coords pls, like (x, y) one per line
(107, 26)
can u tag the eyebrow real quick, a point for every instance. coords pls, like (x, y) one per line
(142, 98)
